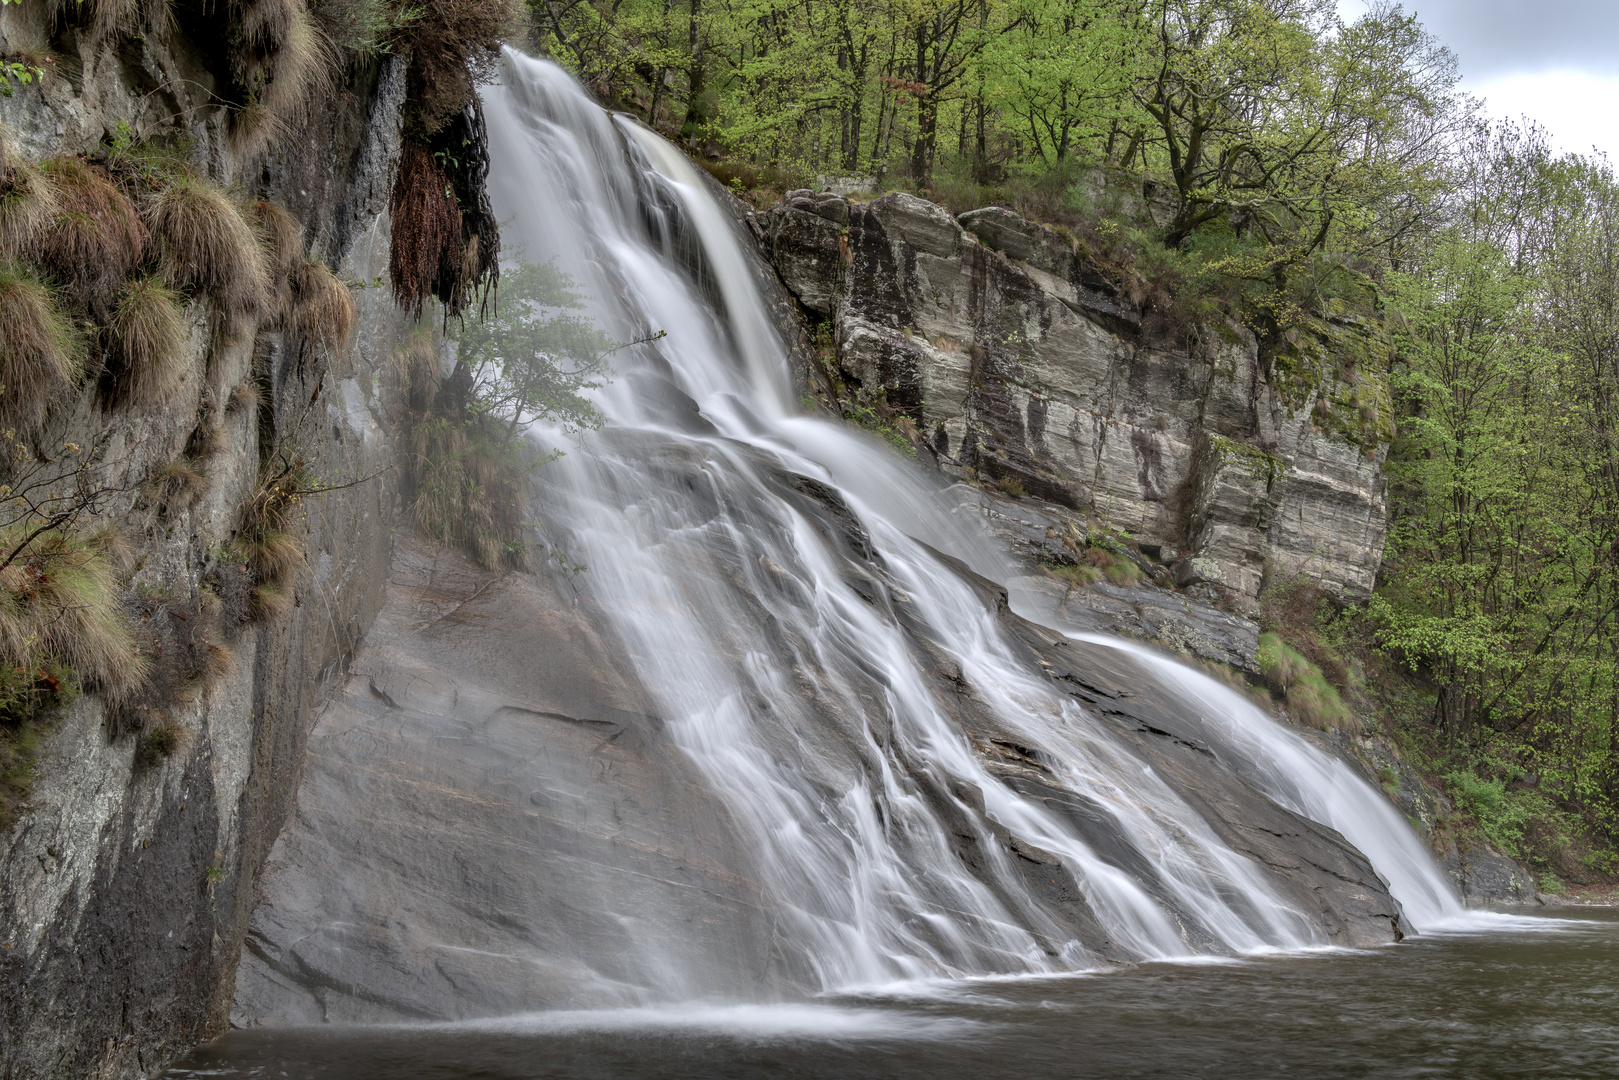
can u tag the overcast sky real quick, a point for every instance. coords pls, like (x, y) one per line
(1555, 61)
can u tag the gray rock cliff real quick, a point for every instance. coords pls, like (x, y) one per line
(1018, 360)
(126, 887)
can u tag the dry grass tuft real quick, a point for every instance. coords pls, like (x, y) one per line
(41, 353)
(425, 256)
(59, 601)
(182, 479)
(271, 601)
(207, 246)
(246, 396)
(282, 237)
(469, 491)
(123, 18)
(418, 369)
(271, 553)
(285, 61)
(28, 203)
(149, 338)
(95, 239)
(321, 307)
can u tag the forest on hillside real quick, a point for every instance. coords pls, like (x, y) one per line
(1305, 165)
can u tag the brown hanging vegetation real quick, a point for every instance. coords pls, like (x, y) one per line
(453, 45)
(424, 259)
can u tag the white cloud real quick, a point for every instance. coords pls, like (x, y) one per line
(1576, 107)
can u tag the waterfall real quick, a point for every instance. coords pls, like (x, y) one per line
(795, 684)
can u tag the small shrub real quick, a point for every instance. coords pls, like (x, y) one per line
(162, 742)
(1118, 569)
(95, 239)
(28, 203)
(1501, 817)
(149, 338)
(1300, 683)
(207, 245)
(28, 696)
(40, 350)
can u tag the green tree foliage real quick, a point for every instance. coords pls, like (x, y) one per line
(1503, 565)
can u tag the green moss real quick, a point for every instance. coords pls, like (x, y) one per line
(1310, 697)
(1266, 468)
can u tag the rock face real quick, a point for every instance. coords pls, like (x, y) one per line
(125, 889)
(494, 818)
(1020, 362)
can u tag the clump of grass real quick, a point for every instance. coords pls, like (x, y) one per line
(418, 368)
(59, 602)
(41, 353)
(206, 245)
(321, 307)
(28, 203)
(424, 257)
(254, 572)
(95, 239)
(1309, 696)
(1118, 569)
(182, 479)
(282, 237)
(149, 336)
(469, 490)
(246, 396)
(285, 61)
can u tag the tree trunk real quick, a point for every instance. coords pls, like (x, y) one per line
(694, 101)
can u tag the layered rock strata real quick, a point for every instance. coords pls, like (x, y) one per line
(1021, 363)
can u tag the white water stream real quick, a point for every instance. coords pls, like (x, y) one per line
(808, 708)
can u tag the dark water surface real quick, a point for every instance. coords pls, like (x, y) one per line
(1540, 1000)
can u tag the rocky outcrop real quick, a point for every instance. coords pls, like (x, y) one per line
(1021, 363)
(125, 884)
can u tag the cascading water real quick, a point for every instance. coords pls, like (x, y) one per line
(794, 683)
